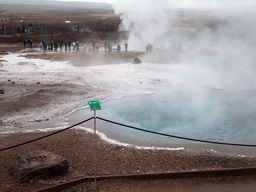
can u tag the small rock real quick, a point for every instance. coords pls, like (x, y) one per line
(1, 91)
(38, 83)
(37, 163)
(136, 60)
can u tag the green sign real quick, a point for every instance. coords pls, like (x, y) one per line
(94, 105)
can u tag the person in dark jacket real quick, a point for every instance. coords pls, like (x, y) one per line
(118, 48)
(126, 47)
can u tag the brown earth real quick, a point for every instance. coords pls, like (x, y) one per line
(23, 98)
(83, 59)
(5, 48)
(77, 145)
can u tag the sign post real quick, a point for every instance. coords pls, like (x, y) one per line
(95, 105)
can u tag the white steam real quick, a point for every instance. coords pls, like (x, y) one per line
(147, 20)
(209, 45)
(220, 44)
(223, 5)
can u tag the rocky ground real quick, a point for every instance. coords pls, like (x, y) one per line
(77, 146)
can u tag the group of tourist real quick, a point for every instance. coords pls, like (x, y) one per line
(28, 42)
(108, 47)
(67, 45)
(54, 45)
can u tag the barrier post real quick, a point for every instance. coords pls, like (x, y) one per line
(95, 105)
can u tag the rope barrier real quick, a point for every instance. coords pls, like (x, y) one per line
(14, 146)
(128, 126)
(177, 137)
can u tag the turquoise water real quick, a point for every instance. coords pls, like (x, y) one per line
(215, 115)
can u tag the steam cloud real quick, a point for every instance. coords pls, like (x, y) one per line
(215, 36)
(214, 46)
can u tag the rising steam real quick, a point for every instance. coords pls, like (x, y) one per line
(209, 45)
(217, 37)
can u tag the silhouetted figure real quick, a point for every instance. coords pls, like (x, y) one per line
(109, 47)
(74, 45)
(60, 44)
(105, 46)
(55, 45)
(69, 44)
(93, 46)
(66, 46)
(97, 47)
(25, 42)
(30, 43)
(149, 48)
(49, 45)
(118, 48)
(52, 44)
(126, 47)
(77, 45)
(44, 45)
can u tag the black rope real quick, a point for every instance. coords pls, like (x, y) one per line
(14, 146)
(177, 137)
(113, 122)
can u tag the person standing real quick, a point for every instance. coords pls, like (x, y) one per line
(118, 48)
(66, 46)
(30, 43)
(105, 46)
(93, 46)
(77, 45)
(60, 44)
(52, 44)
(55, 45)
(25, 42)
(147, 48)
(126, 47)
(74, 45)
(97, 47)
(109, 48)
(69, 44)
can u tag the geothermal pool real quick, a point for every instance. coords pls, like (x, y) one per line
(188, 100)
(214, 115)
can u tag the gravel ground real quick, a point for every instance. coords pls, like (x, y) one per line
(77, 146)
